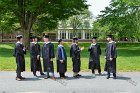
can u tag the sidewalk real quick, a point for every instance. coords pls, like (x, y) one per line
(127, 82)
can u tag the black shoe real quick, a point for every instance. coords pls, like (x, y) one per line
(53, 78)
(62, 77)
(114, 78)
(78, 75)
(47, 77)
(42, 74)
(108, 77)
(65, 76)
(22, 77)
(18, 79)
(35, 75)
(100, 74)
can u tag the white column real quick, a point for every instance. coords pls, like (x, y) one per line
(69, 34)
(89, 34)
(58, 34)
(66, 34)
(83, 34)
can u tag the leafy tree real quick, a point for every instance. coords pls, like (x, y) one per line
(122, 18)
(80, 21)
(42, 13)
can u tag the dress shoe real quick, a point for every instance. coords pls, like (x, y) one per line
(18, 79)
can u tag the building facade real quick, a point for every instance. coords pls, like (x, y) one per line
(68, 34)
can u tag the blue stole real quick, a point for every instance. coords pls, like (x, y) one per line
(62, 52)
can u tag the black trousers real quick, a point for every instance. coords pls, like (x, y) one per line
(34, 71)
(18, 71)
(108, 74)
(34, 68)
(37, 66)
(62, 74)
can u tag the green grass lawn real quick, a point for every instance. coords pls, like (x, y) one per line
(128, 57)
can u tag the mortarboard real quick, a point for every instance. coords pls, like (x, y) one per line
(19, 36)
(75, 38)
(110, 36)
(46, 36)
(60, 40)
(94, 37)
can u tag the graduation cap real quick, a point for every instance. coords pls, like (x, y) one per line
(19, 36)
(60, 40)
(94, 37)
(75, 38)
(46, 36)
(110, 36)
(33, 37)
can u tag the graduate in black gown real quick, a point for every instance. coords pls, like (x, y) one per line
(94, 60)
(35, 56)
(110, 56)
(61, 59)
(75, 51)
(19, 52)
(48, 55)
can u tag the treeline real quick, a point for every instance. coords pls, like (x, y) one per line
(121, 18)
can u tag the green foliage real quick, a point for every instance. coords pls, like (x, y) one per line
(122, 18)
(8, 22)
(133, 2)
(45, 14)
(39, 15)
(79, 21)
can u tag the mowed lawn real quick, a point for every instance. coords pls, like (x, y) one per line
(128, 57)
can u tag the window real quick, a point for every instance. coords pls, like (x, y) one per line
(63, 35)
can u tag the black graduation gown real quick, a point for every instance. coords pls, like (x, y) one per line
(39, 66)
(47, 54)
(111, 52)
(34, 52)
(20, 59)
(75, 55)
(61, 67)
(94, 60)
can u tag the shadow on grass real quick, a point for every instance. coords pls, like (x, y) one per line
(132, 52)
(5, 52)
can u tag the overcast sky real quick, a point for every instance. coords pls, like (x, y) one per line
(97, 5)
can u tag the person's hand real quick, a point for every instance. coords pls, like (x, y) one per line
(61, 61)
(51, 59)
(38, 57)
(82, 48)
(24, 49)
(111, 59)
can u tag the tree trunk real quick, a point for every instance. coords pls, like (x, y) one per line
(26, 21)
(27, 31)
(2, 36)
(26, 37)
